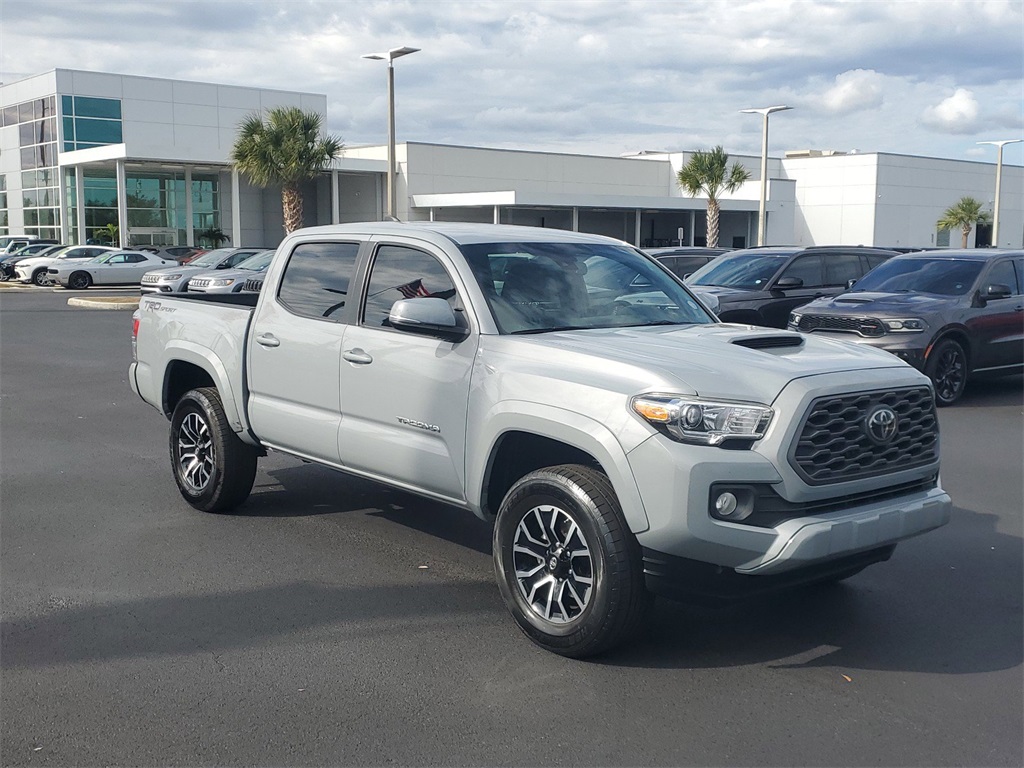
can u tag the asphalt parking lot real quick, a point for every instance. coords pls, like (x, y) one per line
(335, 622)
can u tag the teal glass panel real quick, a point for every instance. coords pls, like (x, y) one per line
(98, 131)
(69, 146)
(87, 106)
(66, 106)
(100, 197)
(69, 131)
(47, 217)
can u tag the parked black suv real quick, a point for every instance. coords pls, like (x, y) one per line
(761, 286)
(951, 314)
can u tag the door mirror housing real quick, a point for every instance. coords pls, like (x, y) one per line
(996, 291)
(850, 283)
(428, 316)
(789, 282)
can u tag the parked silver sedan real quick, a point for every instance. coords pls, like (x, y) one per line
(230, 280)
(176, 278)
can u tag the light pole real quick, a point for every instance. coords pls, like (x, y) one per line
(765, 111)
(999, 183)
(390, 57)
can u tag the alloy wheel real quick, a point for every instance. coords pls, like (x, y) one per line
(949, 374)
(553, 564)
(195, 452)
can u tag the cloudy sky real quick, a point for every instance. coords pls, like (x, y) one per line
(927, 77)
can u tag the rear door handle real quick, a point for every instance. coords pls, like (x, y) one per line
(357, 356)
(268, 340)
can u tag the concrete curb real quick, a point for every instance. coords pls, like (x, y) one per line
(105, 302)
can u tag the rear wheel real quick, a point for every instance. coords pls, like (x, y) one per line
(80, 281)
(568, 567)
(947, 368)
(213, 468)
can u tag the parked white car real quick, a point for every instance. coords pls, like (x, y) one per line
(116, 268)
(175, 279)
(34, 270)
(231, 280)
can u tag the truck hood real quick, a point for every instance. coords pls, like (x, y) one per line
(721, 360)
(873, 303)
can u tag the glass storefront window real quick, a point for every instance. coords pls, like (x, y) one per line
(98, 131)
(87, 106)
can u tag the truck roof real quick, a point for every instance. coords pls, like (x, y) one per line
(461, 233)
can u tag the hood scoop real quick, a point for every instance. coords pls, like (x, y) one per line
(770, 341)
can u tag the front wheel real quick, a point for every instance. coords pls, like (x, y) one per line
(79, 281)
(947, 368)
(39, 278)
(213, 468)
(568, 567)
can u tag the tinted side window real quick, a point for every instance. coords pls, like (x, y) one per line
(840, 268)
(1019, 264)
(403, 273)
(874, 261)
(1003, 274)
(316, 279)
(808, 269)
(684, 265)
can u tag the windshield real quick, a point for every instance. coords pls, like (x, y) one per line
(538, 287)
(211, 258)
(257, 262)
(941, 277)
(100, 259)
(750, 270)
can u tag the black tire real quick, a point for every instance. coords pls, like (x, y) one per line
(947, 368)
(223, 468)
(39, 277)
(79, 280)
(543, 506)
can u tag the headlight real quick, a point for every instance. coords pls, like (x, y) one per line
(222, 281)
(794, 318)
(904, 325)
(703, 422)
(169, 278)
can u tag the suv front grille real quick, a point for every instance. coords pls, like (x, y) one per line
(199, 282)
(865, 326)
(148, 279)
(253, 285)
(835, 445)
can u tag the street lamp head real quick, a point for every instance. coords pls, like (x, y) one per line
(405, 50)
(1001, 143)
(766, 110)
(374, 56)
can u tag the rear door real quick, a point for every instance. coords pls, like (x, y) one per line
(294, 351)
(780, 301)
(406, 395)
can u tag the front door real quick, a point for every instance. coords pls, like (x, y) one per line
(295, 352)
(809, 270)
(998, 327)
(405, 395)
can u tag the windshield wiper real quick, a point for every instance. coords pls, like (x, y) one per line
(553, 329)
(655, 322)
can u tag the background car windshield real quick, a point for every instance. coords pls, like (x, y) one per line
(101, 259)
(942, 277)
(536, 287)
(749, 270)
(210, 258)
(257, 262)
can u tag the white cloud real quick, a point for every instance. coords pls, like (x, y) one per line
(956, 114)
(855, 90)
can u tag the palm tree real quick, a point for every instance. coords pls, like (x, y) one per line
(214, 235)
(708, 172)
(963, 216)
(109, 232)
(286, 148)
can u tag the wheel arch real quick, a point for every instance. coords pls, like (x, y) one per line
(527, 438)
(957, 333)
(190, 366)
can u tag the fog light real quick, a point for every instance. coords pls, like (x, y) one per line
(732, 502)
(726, 504)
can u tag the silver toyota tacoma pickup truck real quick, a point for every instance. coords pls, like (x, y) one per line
(564, 387)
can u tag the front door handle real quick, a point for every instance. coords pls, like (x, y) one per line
(357, 356)
(268, 340)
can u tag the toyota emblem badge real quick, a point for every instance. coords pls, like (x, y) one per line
(882, 424)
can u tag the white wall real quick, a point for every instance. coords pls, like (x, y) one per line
(835, 199)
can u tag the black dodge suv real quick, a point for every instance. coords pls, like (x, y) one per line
(951, 314)
(761, 286)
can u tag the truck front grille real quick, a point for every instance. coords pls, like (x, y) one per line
(836, 443)
(865, 326)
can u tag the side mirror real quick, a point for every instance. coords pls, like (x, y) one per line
(788, 282)
(850, 283)
(995, 291)
(428, 316)
(223, 266)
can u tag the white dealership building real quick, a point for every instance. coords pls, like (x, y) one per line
(80, 150)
